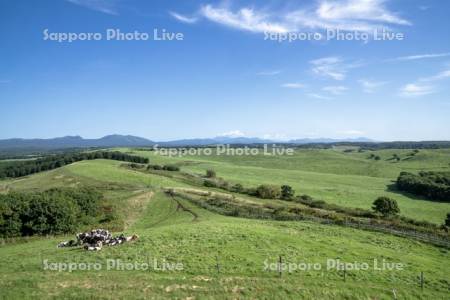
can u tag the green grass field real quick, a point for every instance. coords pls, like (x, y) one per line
(347, 179)
(204, 242)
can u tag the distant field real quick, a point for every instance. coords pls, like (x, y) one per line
(348, 179)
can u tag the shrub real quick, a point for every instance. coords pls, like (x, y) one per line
(237, 188)
(171, 168)
(10, 212)
(210, 173)
(50, 215)
(251, 192)
(210, 183)
(52, 212)
(386, 206)
(154, 167)
(287, 193)
(432, 185)
(318, 204)
(87, 199)
(447, 220)
(265, 191)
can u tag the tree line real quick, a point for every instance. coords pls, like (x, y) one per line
(54, 211)
(23, 168)
(432, 185)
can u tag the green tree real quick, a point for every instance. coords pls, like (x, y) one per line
(287, 193)
(50, 214)
(386, 206)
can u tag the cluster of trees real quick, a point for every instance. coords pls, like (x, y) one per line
(263, 191)
(51, 212)
(22, 168)
(163, 167)
(432, 185)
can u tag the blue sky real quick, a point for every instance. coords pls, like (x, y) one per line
(224, 77)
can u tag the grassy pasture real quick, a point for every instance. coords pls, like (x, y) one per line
(240, 246)
(347, 179)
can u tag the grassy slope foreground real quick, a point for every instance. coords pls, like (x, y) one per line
(203, 242)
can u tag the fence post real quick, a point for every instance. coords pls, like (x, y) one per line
(421, 280)
(217, 265)
(279, 265)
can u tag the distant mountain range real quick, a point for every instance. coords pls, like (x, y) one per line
(116, 140)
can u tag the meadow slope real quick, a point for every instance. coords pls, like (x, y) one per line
(222, 257)
(347, 179)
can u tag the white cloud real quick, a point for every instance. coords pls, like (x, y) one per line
(346, 15)
(422, 86)
(367, 10)
(335, 90)
(233, 133)
(244, 19)
(442, 75)
(369, 86)
(269, 73)
(318, 96)
(182, 18)
(293, 85)
(416, 90)
(104, 6)
(332, 67)
(421, 56)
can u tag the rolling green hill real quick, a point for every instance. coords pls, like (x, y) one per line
(225, 257)
(347, 179)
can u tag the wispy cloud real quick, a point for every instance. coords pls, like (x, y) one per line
(318, 96)
(182, 18)
(104, 6)
(370, 86)
(269, 73)
(331, 67)
(335, 90)
(442, 75)
(5, 81)
(358, 10)
(423, 86)
(416, 90)
(293, 85)
(244, 19)
(421, 56)
(346, 15)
